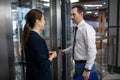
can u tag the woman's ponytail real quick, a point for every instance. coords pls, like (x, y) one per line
(26, 33)
(30, 18)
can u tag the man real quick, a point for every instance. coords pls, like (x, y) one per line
(84, 52)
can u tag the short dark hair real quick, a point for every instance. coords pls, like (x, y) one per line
(79, 8)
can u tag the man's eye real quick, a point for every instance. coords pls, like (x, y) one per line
(73, 14)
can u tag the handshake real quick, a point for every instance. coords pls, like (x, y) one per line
(53, 54)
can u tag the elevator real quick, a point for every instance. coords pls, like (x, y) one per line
(57, 34)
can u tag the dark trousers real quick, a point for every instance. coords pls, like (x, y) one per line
(79, 68)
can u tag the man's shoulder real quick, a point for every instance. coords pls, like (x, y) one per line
(87, 27)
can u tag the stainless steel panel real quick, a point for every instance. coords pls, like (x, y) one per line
(119, 32)
(33, 4)
(55, 27)
(6, 42)
(112, 10)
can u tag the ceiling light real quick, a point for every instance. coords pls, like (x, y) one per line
(104, 3)
(46, 0)
(85, 7)
(72, 1)
(89, 12)
(93, 5)
(47, 4)
(96, 13)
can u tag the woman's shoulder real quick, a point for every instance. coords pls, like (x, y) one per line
(35, 36)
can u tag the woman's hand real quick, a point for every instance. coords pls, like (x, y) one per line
(52, 55)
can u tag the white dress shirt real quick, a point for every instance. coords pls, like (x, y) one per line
(85, 46)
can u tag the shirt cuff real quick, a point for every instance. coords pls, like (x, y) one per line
(88, 66)
(68, 50)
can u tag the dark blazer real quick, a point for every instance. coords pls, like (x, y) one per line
(37, 62)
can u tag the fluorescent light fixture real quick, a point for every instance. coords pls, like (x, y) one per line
(104, 3)
(93, 5)
(14, 10)
(45, 0)
(96, 13)
(89, 12)
(85, 7)
(46, 4)
(72, 1)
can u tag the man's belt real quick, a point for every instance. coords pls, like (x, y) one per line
(80, 61)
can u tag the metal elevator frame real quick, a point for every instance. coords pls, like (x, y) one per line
(60, 24)
(6, 42)
(55, 23)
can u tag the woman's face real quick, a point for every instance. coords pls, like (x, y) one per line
(42, 23)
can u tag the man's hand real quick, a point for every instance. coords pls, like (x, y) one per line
(86, 75)
(62, 52)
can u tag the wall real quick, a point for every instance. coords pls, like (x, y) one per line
(114, 28)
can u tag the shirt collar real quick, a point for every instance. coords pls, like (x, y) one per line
(81, 23)
(35, 31)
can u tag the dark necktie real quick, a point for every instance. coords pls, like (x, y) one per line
(74, 41)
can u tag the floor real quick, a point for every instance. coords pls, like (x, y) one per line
(113, 76)
(104, 74)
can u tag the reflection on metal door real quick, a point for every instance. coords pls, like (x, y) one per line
(19, 8)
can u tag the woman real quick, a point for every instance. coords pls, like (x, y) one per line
(38, 58)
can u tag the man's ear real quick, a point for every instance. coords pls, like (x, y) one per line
(37, 21)
(82, 13)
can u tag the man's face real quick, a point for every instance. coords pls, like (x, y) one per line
(75, 16)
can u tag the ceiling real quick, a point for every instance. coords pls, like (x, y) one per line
(93, 7)
(84, 3)
(93, 4)
(28, 3)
